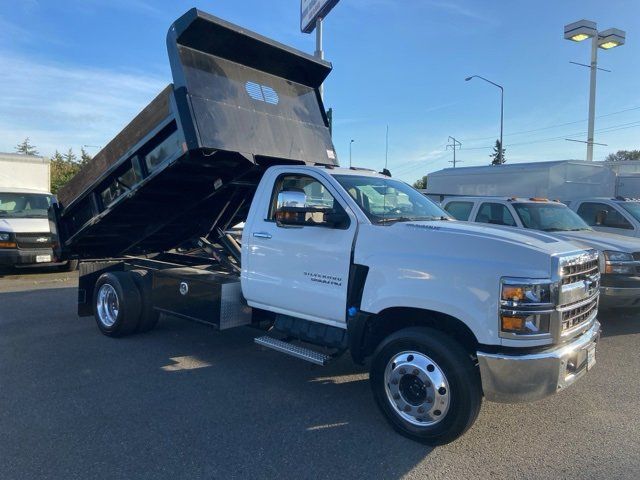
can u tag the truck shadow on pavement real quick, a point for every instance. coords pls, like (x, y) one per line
(182, 401)
(620, 322)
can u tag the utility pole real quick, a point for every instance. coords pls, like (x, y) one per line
(455, 144)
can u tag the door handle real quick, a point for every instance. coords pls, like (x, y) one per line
(262, 235)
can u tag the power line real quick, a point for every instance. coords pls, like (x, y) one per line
(612, 128)
(553, 126)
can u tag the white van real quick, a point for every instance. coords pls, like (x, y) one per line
(25, 236)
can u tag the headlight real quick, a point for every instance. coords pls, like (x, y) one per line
(525, 307)
(620, 263)
(4, 237)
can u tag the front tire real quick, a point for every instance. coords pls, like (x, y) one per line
(426, 385)
(116, 304)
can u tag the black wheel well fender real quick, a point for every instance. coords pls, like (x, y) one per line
(374, 328)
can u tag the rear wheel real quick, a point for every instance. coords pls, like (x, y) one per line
(426, 385)
(116, 304)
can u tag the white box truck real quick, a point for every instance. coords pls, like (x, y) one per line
(25, 236)
(330, 260)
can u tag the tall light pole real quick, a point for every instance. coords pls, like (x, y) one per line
(350, 143)
(579, 31)
(501, 107)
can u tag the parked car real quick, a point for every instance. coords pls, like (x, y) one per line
(614, 215)
(619, 255)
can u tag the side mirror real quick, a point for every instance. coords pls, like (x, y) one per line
(291, 208)
(601, 217)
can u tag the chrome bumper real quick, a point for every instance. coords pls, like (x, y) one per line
(525, 378)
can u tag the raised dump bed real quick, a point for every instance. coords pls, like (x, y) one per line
(190, 161)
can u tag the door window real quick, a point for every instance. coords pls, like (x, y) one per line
(603, 215)
(314, 201)
(459, 210)
(496, 214)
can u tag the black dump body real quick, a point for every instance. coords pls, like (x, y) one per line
(189, 163)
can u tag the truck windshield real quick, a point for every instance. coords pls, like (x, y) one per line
(549, 217)
(633, 208)
(24, 205)
(386, 201)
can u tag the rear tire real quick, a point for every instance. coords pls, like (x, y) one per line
(426, 385)
(148, 315)
(116, 304)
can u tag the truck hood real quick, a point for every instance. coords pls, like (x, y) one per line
(536, 240)
(24, 225)
(601, 240)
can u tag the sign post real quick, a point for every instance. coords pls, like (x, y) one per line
(312, 13)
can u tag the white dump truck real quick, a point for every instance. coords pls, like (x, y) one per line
(330, 260)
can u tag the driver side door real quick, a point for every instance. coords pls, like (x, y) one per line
(300, 270)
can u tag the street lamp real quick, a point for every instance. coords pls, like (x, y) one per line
(350, 143)
(501, 107)
(611, 38)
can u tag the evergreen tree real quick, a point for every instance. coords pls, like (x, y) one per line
(70, 156)
(84, 156)
(26, 147)
(498, 154)
(63, 168)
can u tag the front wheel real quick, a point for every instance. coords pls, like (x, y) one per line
(426, 385)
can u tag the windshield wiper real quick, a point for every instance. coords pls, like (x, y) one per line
(394, 219)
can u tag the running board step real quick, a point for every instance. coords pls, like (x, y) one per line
(293, 350)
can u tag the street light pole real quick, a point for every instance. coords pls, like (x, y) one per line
(350, 143)
(592, 96)
(611, 38)
(501, 107)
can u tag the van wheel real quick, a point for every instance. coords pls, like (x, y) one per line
(148, 316)
(426, 385)
(116, 304)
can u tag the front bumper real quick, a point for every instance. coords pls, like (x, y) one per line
(512, 378)
(16, 257)
(619, 291)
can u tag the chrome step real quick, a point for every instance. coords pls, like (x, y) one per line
(293, 350)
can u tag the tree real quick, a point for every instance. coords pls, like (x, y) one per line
(498, 154)
(70, 156)
(84, 156)
(26, 147)
(421, 183)
(63, 168)
(623, 155)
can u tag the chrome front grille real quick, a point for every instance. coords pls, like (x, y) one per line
(578, 294)
(579, 272)
(573, 316)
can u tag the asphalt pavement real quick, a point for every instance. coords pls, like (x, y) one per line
(185, 401)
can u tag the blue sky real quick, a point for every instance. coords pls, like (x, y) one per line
(74, 72)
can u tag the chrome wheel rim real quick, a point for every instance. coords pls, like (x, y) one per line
(107, 305)
(417, 388)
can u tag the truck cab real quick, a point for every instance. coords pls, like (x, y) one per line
(619, 255)
(330, 260)
(25, 237)
(618, 215)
